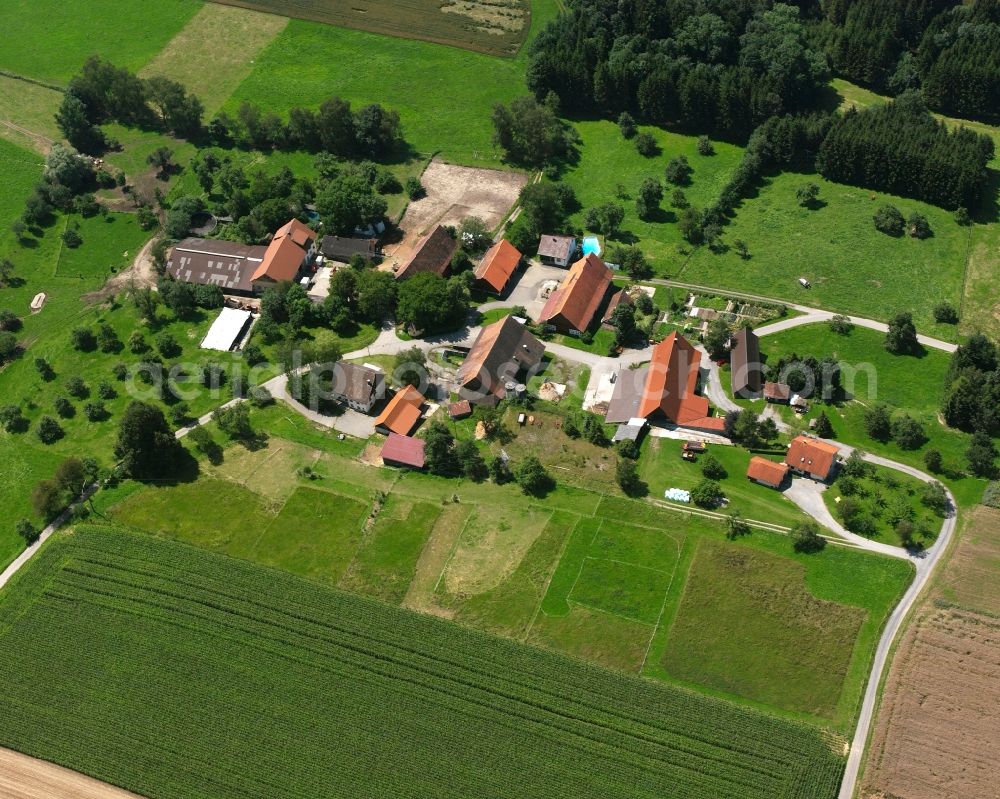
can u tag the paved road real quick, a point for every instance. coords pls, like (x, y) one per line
(29, 553)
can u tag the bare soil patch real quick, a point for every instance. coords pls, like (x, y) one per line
(937, 725)
(497, 27)
(454, 193)
(23, 777)
(936, 728)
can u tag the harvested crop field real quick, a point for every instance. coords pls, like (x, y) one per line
(935, 732)
(452, 194)
(302, 690)
(23, 777)
(497, 27)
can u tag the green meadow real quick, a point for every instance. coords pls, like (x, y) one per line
(444, 95)
(853, 268)
(48, 41)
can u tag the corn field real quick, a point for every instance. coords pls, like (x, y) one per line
(178, 673)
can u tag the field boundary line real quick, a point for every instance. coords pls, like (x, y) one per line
(44, 84)
(451, 554)
(663, 605)
(552, 573)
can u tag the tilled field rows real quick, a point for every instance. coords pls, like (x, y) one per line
(176, 673)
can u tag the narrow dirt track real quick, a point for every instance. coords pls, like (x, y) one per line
(23, 777)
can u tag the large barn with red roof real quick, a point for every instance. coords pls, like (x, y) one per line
(666, 390)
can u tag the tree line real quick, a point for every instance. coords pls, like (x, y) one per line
(900, 148)
(103, 92)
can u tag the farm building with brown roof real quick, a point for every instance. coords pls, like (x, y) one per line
(343, 248)
(618, 298)
(432, 254)
(226, 264)
(556, 250)
(401, 413)
(812, 457)
(403, 451)
(358, 386)
(572, 306)
(461, 409)
(777, 392)
(501, 353)
(665, 389)
(767, 472)
(746, 372)
(498, 266)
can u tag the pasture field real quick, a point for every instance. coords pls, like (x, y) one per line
(52, 42)
(608, 161)
(496, 27)
(906, 383)
(215, 51)
(594, 576)
(282, 659)
(932, 734)
(444, 95)
(709, 641)
(27, 113)
(110, 244)
(853, 267)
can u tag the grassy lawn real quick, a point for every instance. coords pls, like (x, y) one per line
(712, 640)
(607, 160)
(31, 107)
(853, 267)
(386, 561)
(215, 51)
(908, 384)
(315, 535)
(662, 467)
(52, 43)
(110, 243)
(308, 62)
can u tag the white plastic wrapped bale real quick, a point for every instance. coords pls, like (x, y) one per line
(226, 330)
(677, 495)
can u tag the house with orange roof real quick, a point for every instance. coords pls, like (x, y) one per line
(812, 457)
(767, 472)
(498, 266)
(292, 247)
(571, 307)
(400, 414)
(665, 390)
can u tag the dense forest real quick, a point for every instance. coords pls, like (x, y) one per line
(724, 70)
(950, 51)
(726, 67)
(901, 149)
